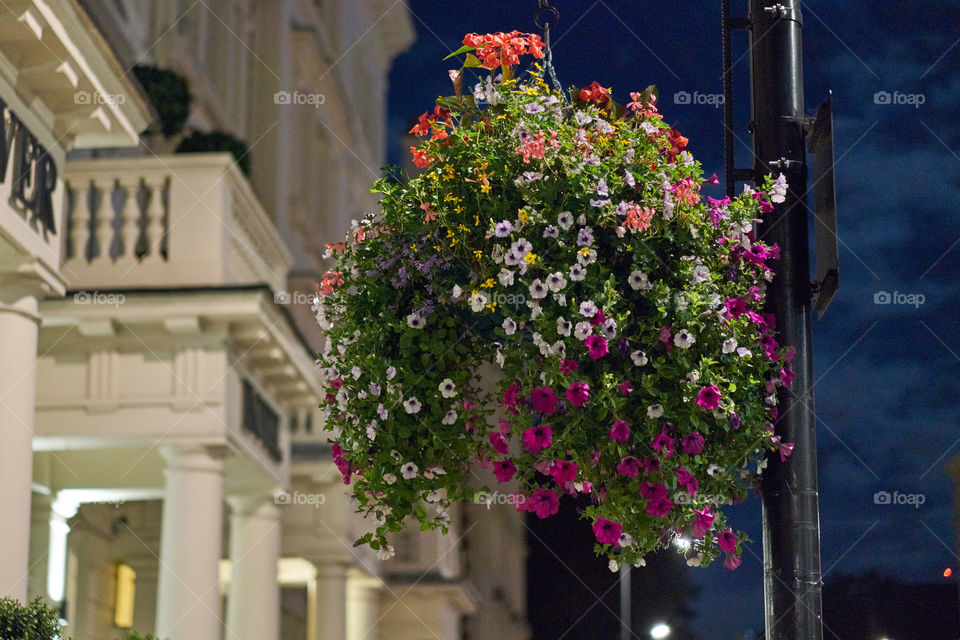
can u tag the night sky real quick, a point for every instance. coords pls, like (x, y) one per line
(885, 373)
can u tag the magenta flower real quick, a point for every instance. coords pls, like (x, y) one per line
(620, 432)
(510, 395)
(597, 346)
(542, 502)
(499, 442)
(537, 439)
(727, 541)
(629, 467)
(732, 562)
(703, 522)
(564, 472)
(568, 366)
(663, 442)
(598, 318)
(786, 376)
(736, 307)
(504, 470)
(340, 460)
(625, 387)
(649, 465)
(734, 420)
(686, 479)
(659, 506)
(665, 337)
(606, 531)
(709, 398)
(504, 425)
(578, 393)
(651, 491)
(543, 400)
(692, 444)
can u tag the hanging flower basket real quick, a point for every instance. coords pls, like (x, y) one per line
(568, 243)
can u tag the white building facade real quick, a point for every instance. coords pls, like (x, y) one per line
(163, 467)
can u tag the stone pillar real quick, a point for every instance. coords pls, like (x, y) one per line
(18, 379)
(61, 510)
(39, 544)
(363, 605)
(188, 590)
(253, 608)
(331, 601)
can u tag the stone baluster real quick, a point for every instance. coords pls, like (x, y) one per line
(103, 221)
(80, 217)
(155, 231)
(130, 218)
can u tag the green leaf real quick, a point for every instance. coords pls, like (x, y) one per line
(462, 49)
(472, 62)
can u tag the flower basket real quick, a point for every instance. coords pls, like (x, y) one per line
(565, 239)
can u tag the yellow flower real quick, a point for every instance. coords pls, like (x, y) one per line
(492, 306)
(413, 248)
(478, 253)
(490, 282)
(449, 233)
(485, 188)
(461, 227)
(459, 208)
(522, 214)
(530, 258)
(476, 220)
(436, 248)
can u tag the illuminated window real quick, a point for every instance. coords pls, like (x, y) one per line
(126, 591)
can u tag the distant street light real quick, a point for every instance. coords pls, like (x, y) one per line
(659, 631)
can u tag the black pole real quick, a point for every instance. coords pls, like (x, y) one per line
(791, 523)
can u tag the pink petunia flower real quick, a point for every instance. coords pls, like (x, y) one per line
(620, 431)
(692, 444)
(663, 442)
(709, 398)
(732, 562)
(564, 472)
(727, 541)
(629, 467)
(597, 345)
(607, 531)
(537, 438)
(543, 400)
(703, 522)
(568, 366)
(542, 502)
(578, 393)
(625, 387)
(504, 470)
(499, 442)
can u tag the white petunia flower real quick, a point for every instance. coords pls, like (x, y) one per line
(556, 281)
(559, 348)
(681, 301)
(382, 412)
(447, 388)
(391, 372)
(356, 372)
(588, 309)
(639, 358)
(538, 290)
(505, 277)
(565, 220)
(390, 478)
(374, 389)
(729, 345)
(387, 552)
(409, 470)
(509, 326)
(478, 301)
(609, 328)
(588, 256)
(743, 352)
(613, 565)
(583, 330)
(457, 291)
(450, 418)
(563, 326)
(372, 430)
(655, 411)
(585, 237)
(416, 321)
(577, 272)
(700, 274)
(638, 280)
(684, 339)
(412, 405)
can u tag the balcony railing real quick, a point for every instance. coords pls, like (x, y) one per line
(167, 222)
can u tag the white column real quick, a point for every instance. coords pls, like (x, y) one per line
(61, 510)
(331, 601)
(363, 605)
(188, 590)
(18, 377)
(253, 608)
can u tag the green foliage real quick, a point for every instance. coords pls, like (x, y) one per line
(133, 635)
(33, 621)
(169, 94)
(203, 141)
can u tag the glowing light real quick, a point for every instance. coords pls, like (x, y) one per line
(682, 543)
(947, 572)
(659, 631)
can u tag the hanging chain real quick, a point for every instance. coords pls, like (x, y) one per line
(546, 18)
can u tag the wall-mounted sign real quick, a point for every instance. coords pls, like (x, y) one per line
(30, 169)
